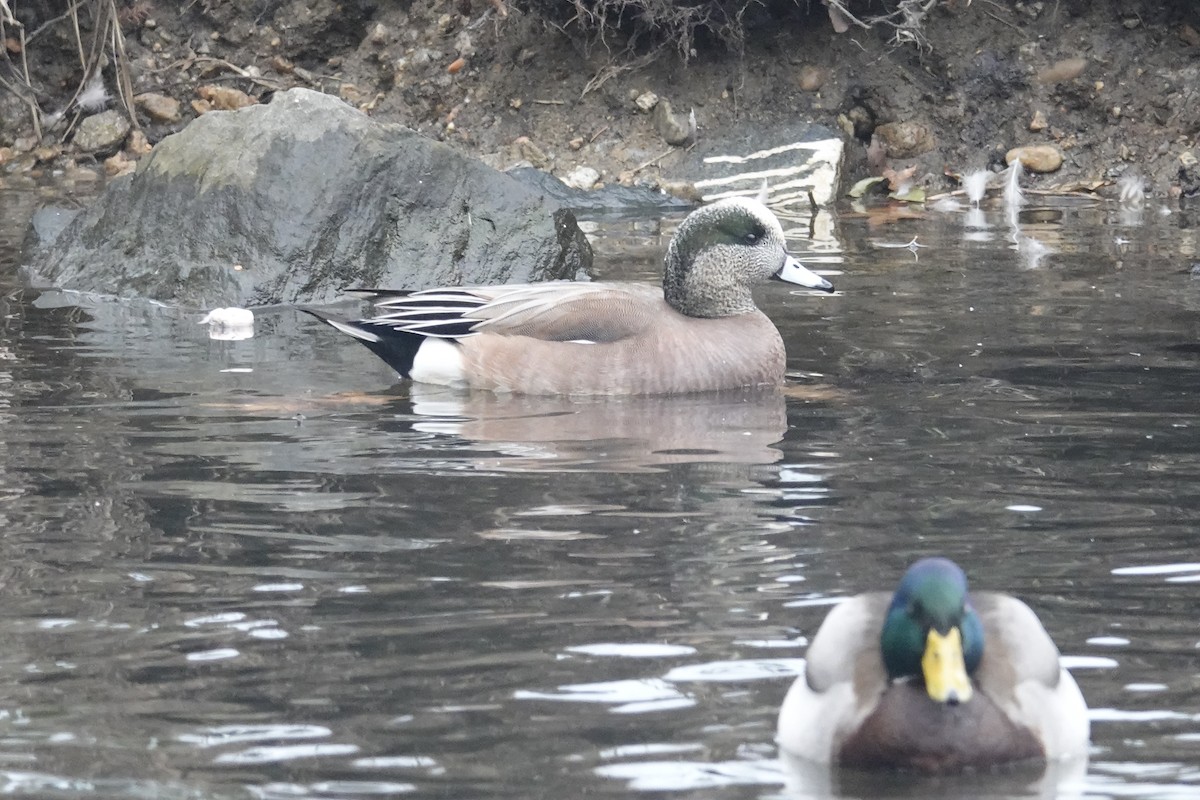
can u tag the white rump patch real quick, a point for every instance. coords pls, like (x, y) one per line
(439, 361)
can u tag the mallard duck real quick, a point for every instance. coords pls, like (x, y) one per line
(701, 332)
(934, 679)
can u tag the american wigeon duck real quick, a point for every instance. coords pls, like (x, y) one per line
(933, 679)
(700, 332)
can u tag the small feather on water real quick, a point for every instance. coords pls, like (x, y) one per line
(1131, 190)
(976, 185)
(231, 316)
(94, 96)
(1014, 198)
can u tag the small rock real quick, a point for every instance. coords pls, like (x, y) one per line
(201, 107)
(811, 78)
(378, 35)
(582, 178)
(464, 45)
(158, 107)
(137, 145)
(1036, 157)
(6, 154)
(1038, 123)
(576, 143)
(1187, 159)
(684, 190)
(646, 101)
(118, 164)
(47, 153)
(530, 152)
(675, 129)
(101, 133)
(905, 139)
(225, 98)
(74, 173)
(1062, 71)
(1189, 35)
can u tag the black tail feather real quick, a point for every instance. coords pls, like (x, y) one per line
(396, 348)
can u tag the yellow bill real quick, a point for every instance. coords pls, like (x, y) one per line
(945, 671)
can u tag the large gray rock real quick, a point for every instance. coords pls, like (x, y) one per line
(294, 201)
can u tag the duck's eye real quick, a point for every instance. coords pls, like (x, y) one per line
(751, 238)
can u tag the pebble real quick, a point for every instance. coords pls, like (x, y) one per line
(103, 132)
(225, 98)
(530, 152)
(47, 153)
(582, 178)
(646, 101)
(137, 145)
(378, 35)
(676, 129)
(1036, 157)
(811, 78)
(684, 190)
(118, 164)
(158, 107)
(1062, 71)
(905, 139)
(1038, 123)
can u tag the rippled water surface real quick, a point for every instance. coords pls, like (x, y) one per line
(261, 569)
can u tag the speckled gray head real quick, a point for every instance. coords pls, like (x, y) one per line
(720, 251)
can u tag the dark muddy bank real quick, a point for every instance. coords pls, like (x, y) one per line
(1112, 85)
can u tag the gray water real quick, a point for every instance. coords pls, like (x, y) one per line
(262, 569)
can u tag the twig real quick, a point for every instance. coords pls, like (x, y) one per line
(550, 102)
(45, 25)
(1001, 21)
(30, 99)
(266, 83)
(596, 135)
(653, 161)
(612, 70)
(124, 83)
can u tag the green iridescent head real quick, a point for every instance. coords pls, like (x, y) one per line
(931, 632)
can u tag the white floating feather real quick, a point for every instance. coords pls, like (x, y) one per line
(1014, 198)
(976, 185)
(1131, 190)
(94, 96)
(229, 323)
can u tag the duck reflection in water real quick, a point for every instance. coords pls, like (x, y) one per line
(626, 434)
